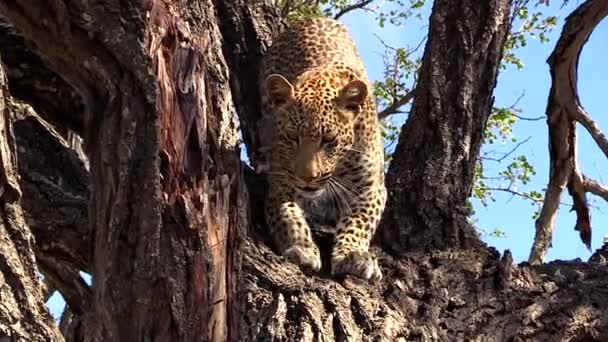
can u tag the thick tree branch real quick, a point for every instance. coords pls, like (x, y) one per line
(68, 281)
(23, 316)
(32, 82)
(48, 289)
(55, 186)
(166, 199)
(563, 111)
(55, 191)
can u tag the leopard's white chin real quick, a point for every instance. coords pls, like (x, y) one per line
(311, 194)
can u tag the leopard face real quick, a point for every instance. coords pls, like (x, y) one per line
(315, 121)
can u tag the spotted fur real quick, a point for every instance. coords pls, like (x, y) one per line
(325, 150)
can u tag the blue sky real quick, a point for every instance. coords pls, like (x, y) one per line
(512, 215)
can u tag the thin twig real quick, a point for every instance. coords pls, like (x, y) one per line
(525, 118)
(394, 107)
(352, 7)
(517, 193)
(499, 160)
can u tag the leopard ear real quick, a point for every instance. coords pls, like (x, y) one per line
(278, 90)
(352, 97)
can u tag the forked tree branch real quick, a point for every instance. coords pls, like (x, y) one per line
(563, 112)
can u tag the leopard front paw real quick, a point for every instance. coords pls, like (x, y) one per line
(307, 258)
(361, 264)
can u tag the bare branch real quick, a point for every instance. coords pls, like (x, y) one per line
(350, 8)
(512, 107)
(563, 110)
(525, 118)
(55, 184)
(394, 107)
(594, 130)
(398, 101)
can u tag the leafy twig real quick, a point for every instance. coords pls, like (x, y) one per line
(352, 7)
(499, 160)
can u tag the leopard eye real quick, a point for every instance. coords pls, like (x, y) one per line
(355, 108)
(292, 135)
(328, 138)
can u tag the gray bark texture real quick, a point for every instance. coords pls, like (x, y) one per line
(166, 218)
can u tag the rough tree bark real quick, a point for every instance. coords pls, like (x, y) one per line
(160, 135)
(174, 253)
(23, 315)
(442, 137)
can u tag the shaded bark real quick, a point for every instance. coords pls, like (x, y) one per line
(23, 315)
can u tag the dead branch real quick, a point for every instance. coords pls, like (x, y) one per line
(54, 181)
(595, 187)
(563, 111)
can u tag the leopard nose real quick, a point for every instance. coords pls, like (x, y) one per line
(310, 176)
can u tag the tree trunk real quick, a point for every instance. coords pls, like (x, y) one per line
(166, 192)
(431, 175)
(173, 250)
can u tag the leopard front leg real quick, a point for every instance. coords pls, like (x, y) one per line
(289, 228)
(355, 231)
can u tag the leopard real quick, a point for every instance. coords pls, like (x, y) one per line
(325, 155)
